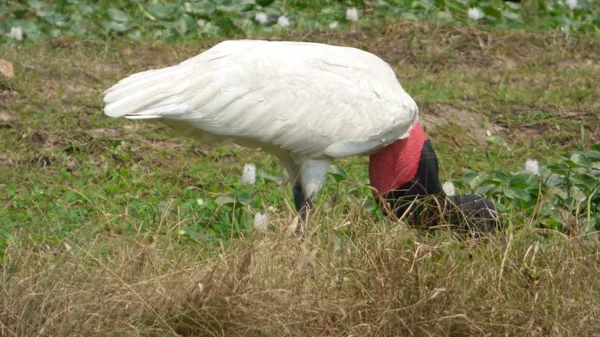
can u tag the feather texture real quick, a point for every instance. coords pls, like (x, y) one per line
(305, 98)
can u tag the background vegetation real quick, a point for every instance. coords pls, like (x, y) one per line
(168, 20)
(110, 227)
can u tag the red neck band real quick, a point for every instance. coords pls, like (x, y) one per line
(397, 163)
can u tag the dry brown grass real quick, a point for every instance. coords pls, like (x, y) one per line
(358, 280)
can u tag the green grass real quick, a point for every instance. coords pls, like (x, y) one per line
(102, 232)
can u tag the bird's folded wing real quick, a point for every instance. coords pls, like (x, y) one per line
(306, 98)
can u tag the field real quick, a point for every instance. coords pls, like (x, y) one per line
(117, 228)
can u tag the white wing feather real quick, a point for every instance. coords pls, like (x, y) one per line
(308, 98)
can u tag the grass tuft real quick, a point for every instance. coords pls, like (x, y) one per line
(359, 279)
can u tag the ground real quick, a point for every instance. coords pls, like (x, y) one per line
(104, 234)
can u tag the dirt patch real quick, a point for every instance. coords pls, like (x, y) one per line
(8, 119)
(7, 94)
(438, 115)
(45, 141)
(105, 133)
(583, 64)
(6, 68)
(4, 161)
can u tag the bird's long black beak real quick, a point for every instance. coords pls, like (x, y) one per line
(472, 212)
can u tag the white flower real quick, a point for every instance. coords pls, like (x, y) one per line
(261, 17)
(261, 222)
(571, 4)
(249, 174)
(16, 33)
(283, 22)
(352, 14)
(449, 188)
(532, 166)
(333, 25)
(200, 202)
(475, 14)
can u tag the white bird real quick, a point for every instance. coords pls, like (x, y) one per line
(305, 103)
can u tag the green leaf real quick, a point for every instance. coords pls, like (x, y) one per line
(580, 160)
(585, 182)
(264, 3)
(57, 19)
(164, 12)
(370, 205)
(560, 168)
(492, 139)
(226, 26)
(232, 198)
(552, 224)
(47, 11)
(162, 206)
(523, 181)
(487, 190)
(118, 15)
(135, 35)
(512, 16)
(184, 24)
(337, 173)
(548, 209)
(114, 26)
(244, 198)
(211, 30)
(593, 156)
(468, 177)
(515, 193)
(248, 7)
(491, 11)
(513, 5)
(595, 147)
(231, 7)
(225, 199)
(478, 180)
(267, 176)
(29, 27)
(205, 8)
(35, 4)
(88, 9)
(502, 176)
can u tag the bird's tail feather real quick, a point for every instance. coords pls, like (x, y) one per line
(146, 95)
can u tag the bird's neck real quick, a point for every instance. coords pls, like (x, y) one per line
(397, 163)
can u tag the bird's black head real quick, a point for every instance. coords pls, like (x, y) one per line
(469, 212)
(421, 200)
(423, 203)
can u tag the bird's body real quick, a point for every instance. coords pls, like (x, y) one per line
(305, 103)
(281, 96)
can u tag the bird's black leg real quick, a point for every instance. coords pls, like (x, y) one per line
(302, 203)
(308, 180)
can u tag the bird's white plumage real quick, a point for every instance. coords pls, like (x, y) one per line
(306, 103)
(309, 99)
